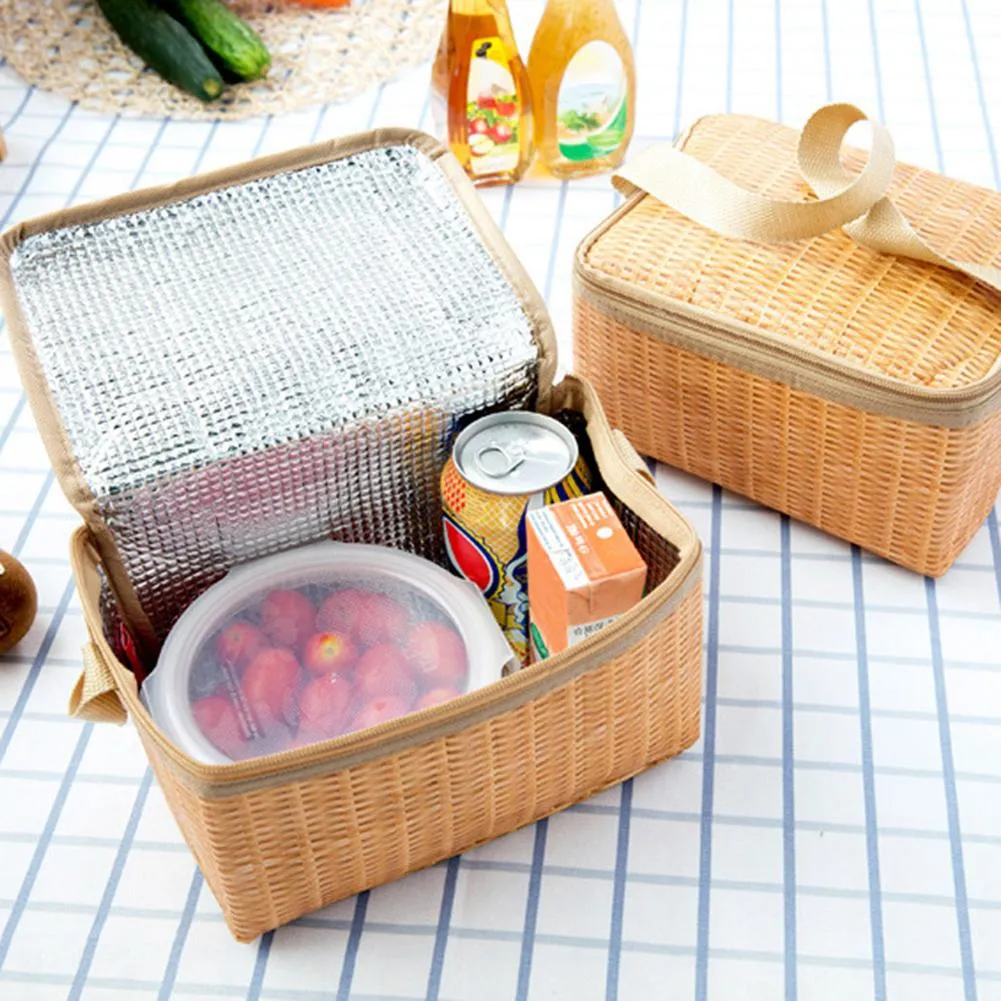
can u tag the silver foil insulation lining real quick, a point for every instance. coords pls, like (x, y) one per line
(273, 363)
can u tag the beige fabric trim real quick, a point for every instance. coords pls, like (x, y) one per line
(53, 433)
(631, 457)
(802, 368)
(220, 781)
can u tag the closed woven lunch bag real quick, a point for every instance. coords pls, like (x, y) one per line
(787, 331)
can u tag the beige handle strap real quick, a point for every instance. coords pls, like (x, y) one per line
(95, 694)
(856, 203)
(631, 457)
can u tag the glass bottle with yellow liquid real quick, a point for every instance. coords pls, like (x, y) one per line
(583, 80)
(482, 103)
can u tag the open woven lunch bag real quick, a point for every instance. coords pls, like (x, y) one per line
(789, 332)
(282, 352)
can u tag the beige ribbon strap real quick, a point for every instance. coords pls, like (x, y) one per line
(95, 694)
(854, 202)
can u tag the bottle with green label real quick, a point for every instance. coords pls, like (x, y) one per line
(583, 82)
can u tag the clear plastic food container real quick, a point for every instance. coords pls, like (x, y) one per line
(316, 643)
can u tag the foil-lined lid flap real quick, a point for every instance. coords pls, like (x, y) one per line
(267, 355)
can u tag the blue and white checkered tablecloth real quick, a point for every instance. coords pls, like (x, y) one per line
(836, 833)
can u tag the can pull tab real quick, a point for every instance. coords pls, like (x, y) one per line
(507, 458)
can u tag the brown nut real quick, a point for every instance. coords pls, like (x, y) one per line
(18, 601)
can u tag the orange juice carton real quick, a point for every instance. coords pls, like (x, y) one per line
(583, 572)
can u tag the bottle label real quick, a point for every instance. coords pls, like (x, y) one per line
(493, 111)
(592, 110)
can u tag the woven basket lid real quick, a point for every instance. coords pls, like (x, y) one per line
(66, 47)
(911, 321)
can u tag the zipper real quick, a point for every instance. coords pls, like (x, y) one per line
(770, 356)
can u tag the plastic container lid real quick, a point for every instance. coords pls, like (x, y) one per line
(315, 643)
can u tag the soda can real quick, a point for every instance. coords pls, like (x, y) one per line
(502, 466)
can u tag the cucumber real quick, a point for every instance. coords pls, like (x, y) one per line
(229, 39)
(164, 45)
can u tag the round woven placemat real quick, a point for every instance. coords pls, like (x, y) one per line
(66, 47)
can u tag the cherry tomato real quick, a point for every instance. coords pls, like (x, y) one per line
(437, 656)
(383, 670)
(383, 621)
(271, 686)
(324, 706)
(325, 652)
(238, 644)
(342, 611)
(288, 618)
(219, 720)
(380, 709)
